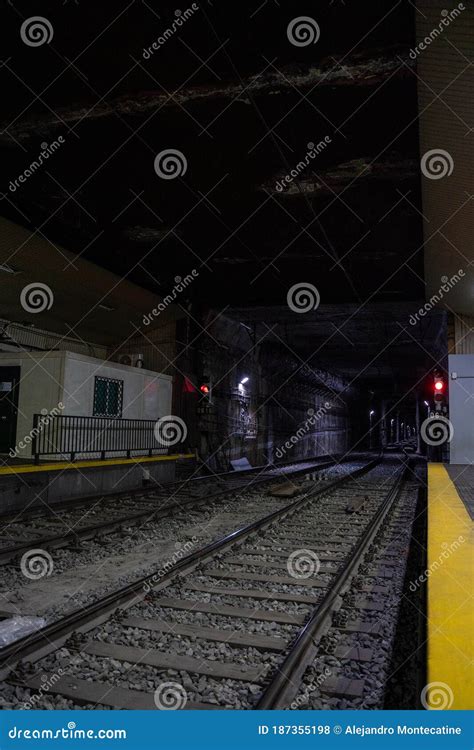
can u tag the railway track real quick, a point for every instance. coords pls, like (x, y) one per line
(68, 524)
(236, 624)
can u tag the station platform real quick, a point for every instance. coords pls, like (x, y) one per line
(27, 484)
(450, 593)
(17, 466)
(463, 478)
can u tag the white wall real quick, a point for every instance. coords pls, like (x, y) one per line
(50, 378)
(146, 394)
(40, 388)
(461, 408)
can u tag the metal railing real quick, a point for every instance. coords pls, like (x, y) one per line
(71, 437)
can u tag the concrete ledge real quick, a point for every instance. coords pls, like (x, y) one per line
(66, 465)
(23, 487)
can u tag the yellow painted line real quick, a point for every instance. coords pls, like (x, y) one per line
(66, 466)
(450, 591)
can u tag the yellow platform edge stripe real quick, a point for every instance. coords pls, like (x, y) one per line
(450, 593)
(67, 466)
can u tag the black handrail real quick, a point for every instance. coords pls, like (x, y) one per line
(72, 436)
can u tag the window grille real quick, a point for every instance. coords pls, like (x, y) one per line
(108, 397)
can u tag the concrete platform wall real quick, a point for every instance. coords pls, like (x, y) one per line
(27, 490)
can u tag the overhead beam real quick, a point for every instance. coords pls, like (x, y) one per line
(369, 71)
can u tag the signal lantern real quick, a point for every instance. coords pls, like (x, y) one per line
(439, 387)
(205, 388)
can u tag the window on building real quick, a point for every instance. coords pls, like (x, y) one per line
(108, 395)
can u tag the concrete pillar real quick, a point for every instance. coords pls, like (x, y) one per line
(397, 427)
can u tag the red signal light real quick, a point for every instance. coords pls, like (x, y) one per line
(439, 388)
(204, 388)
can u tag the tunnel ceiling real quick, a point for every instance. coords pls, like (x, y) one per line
(242, 104)
(377, 345)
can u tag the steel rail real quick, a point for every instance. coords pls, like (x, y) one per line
(281, 690)
(89, 532)
(84, 500)
(52, 636)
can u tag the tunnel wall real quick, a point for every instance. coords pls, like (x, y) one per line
(286, 411)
